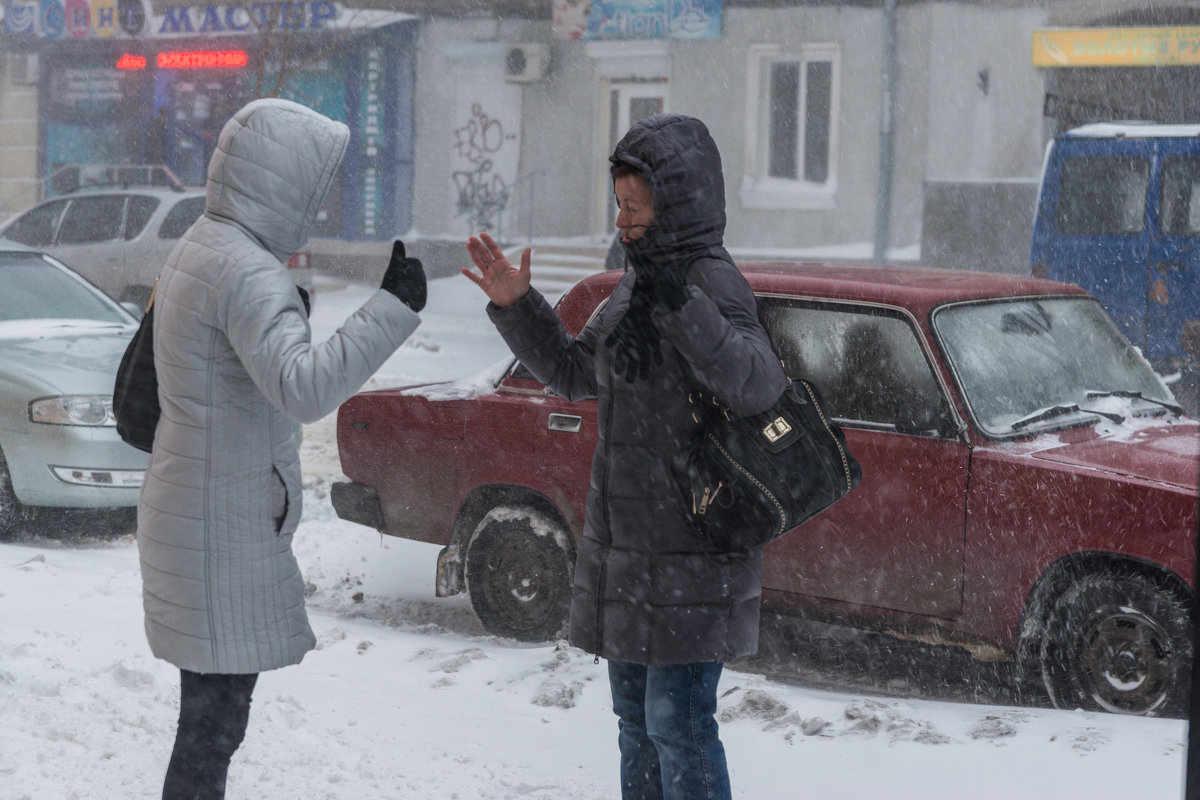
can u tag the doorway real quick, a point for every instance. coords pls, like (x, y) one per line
(190, 110)
(628, 102)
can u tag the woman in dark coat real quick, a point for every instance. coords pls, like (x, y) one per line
(660, 604)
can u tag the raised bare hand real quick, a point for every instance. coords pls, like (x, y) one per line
(503, 283)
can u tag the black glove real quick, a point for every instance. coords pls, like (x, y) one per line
(635, 340)
(666, 285)
(405, 278)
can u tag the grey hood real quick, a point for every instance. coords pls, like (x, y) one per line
(274, 199)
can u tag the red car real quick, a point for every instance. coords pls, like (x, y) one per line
(1029, 485)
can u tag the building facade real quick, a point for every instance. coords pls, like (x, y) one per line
(860, 128)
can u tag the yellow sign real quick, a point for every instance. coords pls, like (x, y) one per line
(1116, 47)
(104, 18)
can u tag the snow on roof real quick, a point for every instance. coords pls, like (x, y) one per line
(1134, 130)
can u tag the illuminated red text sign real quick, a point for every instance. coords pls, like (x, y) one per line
(202, 59)
(128, 61)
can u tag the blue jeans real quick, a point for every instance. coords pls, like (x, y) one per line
(668, 734)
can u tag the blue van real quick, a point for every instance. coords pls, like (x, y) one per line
(1118, 213)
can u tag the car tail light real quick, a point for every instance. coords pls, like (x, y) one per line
(300, 261)
(1039, 271)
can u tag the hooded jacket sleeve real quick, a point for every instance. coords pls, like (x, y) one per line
(719, 333)
(536, 336)
(268, 329)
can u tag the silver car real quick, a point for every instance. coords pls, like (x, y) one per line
(119, 239)
(116, 238)
(60, 342)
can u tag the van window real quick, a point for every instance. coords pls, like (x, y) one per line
(1103, 196)
(1179, 208)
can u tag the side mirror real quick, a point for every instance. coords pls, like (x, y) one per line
(922, 419)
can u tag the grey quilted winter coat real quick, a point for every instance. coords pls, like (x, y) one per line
(647, 589)
(236, 370)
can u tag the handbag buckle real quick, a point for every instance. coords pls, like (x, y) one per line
(776, 429)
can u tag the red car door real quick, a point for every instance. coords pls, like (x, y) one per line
(896, 542)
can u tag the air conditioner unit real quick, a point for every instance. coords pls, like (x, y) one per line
(22, 68)
(526, 63)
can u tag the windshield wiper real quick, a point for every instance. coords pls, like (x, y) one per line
(1175, 409)
(1061, 410)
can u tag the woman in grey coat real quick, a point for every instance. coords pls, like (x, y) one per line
(237, 369)
(649, 595)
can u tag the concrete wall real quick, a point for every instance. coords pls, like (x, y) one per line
(974, 130)
(19, 184)
(978, 225)
(973, 175)
(555, 132)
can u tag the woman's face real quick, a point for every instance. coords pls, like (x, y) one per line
(636, 207)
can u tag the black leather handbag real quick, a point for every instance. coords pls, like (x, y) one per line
(135, 394)
(748, 480)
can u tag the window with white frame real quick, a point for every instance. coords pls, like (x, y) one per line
(791, 127)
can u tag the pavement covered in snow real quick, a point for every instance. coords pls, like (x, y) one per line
(407, 697)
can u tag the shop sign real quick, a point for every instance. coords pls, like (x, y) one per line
(1116, 47)
(131, 16)
(20, 19)
(104, 18)
(591, 20)
(83, 86)
(247, 17)
(370, 142)
(87, 88)
(79, 17)
(52, 19)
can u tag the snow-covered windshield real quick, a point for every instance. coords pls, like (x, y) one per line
(1028, 363)
(36, 289)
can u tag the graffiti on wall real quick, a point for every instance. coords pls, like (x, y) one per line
(482, 196)
(482, 192)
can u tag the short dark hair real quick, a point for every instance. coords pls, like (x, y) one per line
(621, 169)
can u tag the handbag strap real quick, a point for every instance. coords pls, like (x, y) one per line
(699, 399)
(153, 291)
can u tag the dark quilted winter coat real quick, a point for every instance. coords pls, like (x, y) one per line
(647, 590)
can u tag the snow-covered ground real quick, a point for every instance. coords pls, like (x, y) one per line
(406, 697)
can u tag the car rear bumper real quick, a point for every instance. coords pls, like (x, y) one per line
(357, 502)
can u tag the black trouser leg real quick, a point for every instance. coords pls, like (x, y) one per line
(214, 710)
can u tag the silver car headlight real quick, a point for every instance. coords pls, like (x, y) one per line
(77, 409)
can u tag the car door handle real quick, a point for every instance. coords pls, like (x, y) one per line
(568, 423)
